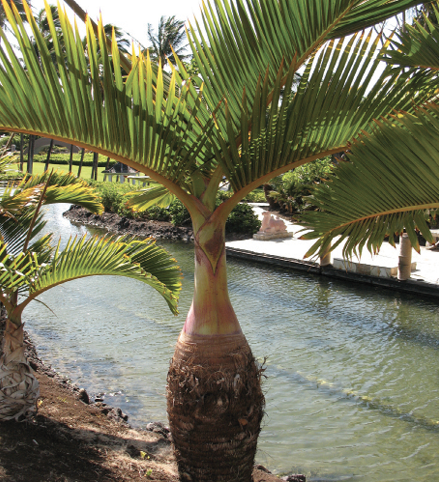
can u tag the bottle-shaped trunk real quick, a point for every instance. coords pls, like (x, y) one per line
(19, 388)
(215, 401)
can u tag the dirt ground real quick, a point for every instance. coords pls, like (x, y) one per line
(70, 441)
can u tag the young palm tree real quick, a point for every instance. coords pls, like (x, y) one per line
(31, 266)
(233, 124)
(170, 37)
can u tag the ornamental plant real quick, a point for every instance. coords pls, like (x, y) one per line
(240, 120)
(31, 265)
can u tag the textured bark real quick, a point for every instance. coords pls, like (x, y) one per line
(19, 388)
(215, 407)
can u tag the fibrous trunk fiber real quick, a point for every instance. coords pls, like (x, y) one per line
(215, 407)
(19, 388)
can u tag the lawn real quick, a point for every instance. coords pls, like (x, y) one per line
(38, 168)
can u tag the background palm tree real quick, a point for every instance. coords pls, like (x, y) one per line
(237, 126)
(170, 36)
(123, 44)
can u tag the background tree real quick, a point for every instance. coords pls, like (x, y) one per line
(170, 36)
(123, 44)
(237, 126)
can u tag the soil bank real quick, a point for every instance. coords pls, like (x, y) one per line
(73, 440)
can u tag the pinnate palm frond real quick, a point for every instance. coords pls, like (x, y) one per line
(140, 260)
(13, 202)
(61, 188)
(14, 231)
(338, 94)
(144, 199)
(364, 14)
(160, 133)
(416, 46)
(247, 37)
(18, 199)
(15, 271)
(392, 179)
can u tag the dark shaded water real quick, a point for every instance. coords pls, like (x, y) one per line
(353, 375)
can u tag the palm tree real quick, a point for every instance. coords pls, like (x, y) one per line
(170, 37)
(32, 266)
(391, 183)
(235, 126)
(123, 44)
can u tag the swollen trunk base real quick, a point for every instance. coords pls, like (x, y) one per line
(215, 408)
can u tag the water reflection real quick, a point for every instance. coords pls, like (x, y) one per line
(352, 390)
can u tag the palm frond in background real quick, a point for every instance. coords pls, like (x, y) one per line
(392, 179)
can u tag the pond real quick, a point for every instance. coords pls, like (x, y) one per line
(352, 387)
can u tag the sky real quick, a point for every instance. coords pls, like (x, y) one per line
(133, 16)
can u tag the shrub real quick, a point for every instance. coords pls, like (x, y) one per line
(112, 197)
(242, 220)
(256, 196)
(224, 195)
(434, 220)
(158, 214)
(289, 190)
(179, 214)
(63, 159)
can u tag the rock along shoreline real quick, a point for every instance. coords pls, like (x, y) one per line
(116, 224)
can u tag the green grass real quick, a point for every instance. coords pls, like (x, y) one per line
(38, 168)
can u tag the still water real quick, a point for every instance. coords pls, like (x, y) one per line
(353, 375)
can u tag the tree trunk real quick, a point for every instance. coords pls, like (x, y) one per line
(71, 158)
(49, 152)
(21, 152)
(215, 401)
(30, 156)
(19, 388)
(80, 162)
(94, 169)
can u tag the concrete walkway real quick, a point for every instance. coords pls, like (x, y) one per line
(289, 253)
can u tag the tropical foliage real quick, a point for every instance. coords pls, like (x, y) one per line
(288, 192)
(114, 198)
(20, 9)
(31, 264)
(170, 38)
(391, 181)
(239, 120)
